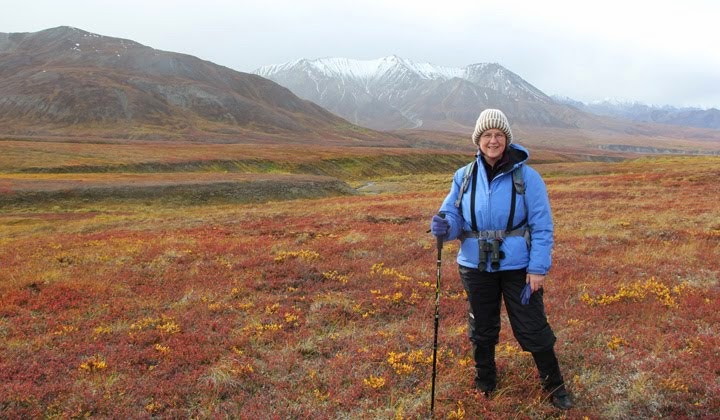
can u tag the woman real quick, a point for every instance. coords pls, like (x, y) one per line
(499, 208)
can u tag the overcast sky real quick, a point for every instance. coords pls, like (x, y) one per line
(657, 52)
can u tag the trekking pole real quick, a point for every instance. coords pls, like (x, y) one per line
(437, 320)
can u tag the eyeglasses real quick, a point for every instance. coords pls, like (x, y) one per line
(490, 136)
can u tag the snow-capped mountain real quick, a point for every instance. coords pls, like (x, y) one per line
(392, 92)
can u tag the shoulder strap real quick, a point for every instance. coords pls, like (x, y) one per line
(518, 187)
(473, 218)
(518, 180)
(469, 171)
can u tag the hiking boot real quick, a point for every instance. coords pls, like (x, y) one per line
(486, 388)
(551, 379)
(561, 399)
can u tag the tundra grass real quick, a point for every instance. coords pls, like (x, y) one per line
(323, 308)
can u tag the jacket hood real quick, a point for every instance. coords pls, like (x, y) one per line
(517, 154)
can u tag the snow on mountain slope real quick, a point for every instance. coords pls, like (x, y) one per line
(364, 69)
(393, 92)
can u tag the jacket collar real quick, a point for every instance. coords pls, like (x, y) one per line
(513, 156)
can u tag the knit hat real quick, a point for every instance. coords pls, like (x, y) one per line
(491, 118)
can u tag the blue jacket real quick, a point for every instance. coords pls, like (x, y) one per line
(492, 210)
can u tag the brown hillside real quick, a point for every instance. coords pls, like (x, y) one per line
(65, 81)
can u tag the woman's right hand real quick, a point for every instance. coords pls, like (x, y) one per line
(439, 226)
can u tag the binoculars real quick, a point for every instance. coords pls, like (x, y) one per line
(490, 248)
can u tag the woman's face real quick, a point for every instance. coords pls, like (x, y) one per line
(492, 144)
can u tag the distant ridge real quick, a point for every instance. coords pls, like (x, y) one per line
(65, 81)
(636, 111)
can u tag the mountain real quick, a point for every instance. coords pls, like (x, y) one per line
(394, 93)
(636, 111)
(65, 81)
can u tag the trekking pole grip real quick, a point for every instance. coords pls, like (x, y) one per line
(439, 240)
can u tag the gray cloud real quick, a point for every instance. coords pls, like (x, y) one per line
(657, 52)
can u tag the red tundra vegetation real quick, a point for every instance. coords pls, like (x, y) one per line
(323, 308)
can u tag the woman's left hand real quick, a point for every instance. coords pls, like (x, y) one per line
(536, 281)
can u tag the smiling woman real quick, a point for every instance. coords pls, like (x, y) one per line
(505, 248)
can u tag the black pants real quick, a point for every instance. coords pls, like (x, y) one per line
(529, 323)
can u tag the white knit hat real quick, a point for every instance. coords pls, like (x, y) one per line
(491, 118)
